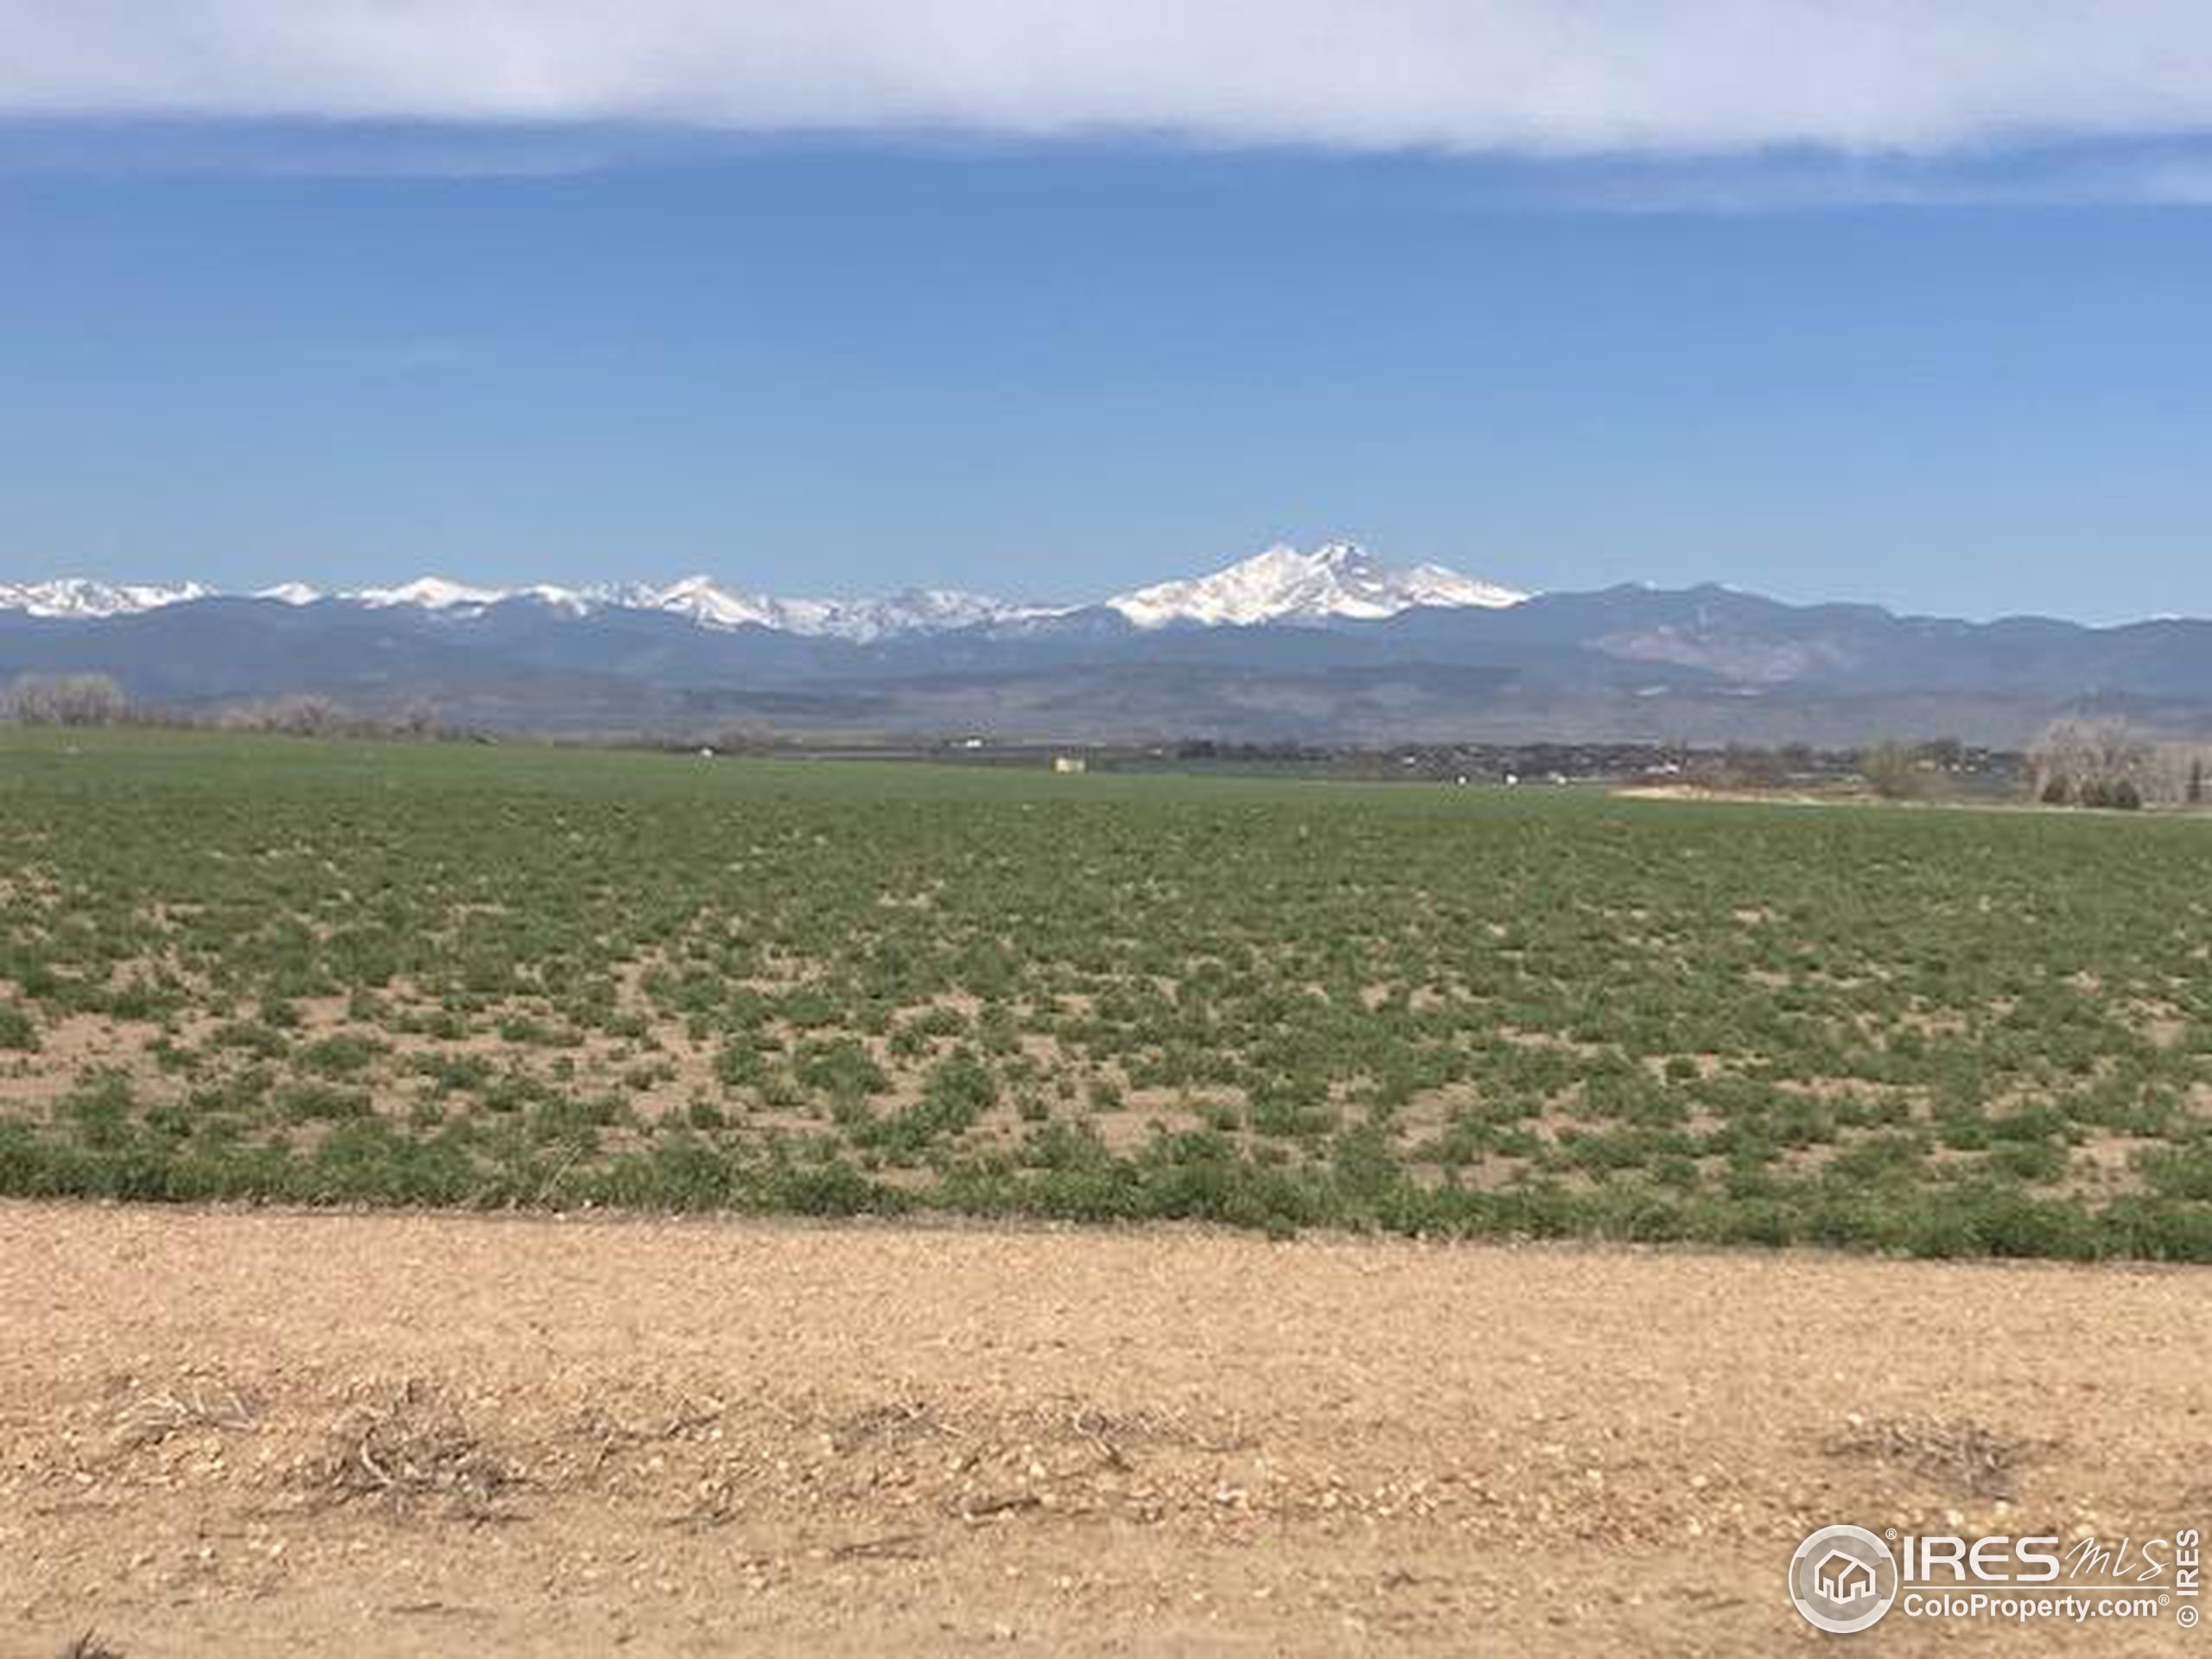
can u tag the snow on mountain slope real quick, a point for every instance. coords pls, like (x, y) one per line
(81, 597)
(918, 610)
(1338, 579)
(429, 592)
(701, 598)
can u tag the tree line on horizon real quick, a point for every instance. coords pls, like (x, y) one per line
(2074, 761)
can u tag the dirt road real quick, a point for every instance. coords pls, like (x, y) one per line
(262, 1433)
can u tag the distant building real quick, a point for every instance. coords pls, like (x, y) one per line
(1070, 763)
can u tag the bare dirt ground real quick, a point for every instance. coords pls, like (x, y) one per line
(260, 1433)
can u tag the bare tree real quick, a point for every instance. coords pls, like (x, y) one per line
(2091, 763)
(295, 717)
(2174, 776)
(66, 700)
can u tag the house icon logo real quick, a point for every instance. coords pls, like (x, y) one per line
(1843, 1578)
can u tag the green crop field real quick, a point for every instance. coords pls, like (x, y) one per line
(475, 975)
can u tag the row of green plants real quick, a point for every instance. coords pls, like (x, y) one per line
(1070, 1177)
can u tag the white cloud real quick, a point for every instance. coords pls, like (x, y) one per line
(1544, 77)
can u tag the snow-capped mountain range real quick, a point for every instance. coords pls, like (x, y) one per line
(1338, 580)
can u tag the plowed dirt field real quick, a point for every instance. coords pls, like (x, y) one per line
(264, 1433)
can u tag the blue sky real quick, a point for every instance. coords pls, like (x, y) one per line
(1970, 373)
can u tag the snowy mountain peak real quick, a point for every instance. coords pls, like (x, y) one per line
(80, 597)
(430, 593)
(1338, 579)
(707, 602)
(291, 593)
